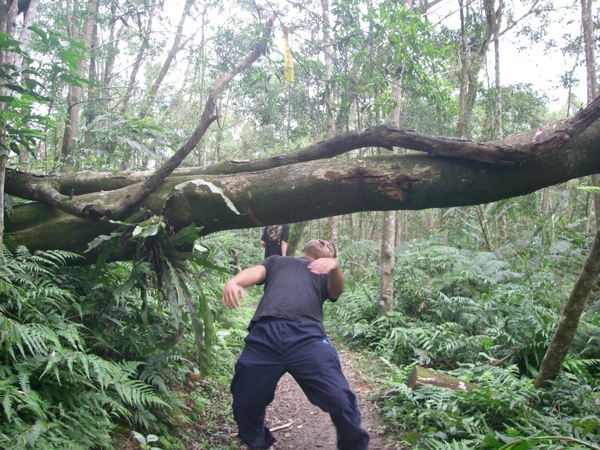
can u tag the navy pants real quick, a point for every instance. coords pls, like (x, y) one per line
(274, 347)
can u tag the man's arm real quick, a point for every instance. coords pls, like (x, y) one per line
(283, 248)
(234, 288)
(335, 277)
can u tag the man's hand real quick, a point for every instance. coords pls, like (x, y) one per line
(234, 288)
(231, 294)
(335, 280)
(323, 265)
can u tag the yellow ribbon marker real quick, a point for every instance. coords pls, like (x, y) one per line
(288, 61)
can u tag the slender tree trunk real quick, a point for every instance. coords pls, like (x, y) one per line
(461, 127)
(8, 25)
(328, 67)
(569, 319)
(93, 78)
(387, 256)
(296, 230)
(138, 60)
(587, 25)
(494, 19)
(202, 159)
(170, 57)
(25, 37)
(334, 221)
(8, 11)
(471, 61)
(75, 92)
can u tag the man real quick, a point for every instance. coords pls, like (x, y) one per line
(286, 334)
(274, 239)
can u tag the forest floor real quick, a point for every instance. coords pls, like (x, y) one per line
(299, 425)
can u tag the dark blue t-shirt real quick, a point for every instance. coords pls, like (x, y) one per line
(292, 291)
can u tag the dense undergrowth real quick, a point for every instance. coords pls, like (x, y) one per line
(104, 358)
(486, 321)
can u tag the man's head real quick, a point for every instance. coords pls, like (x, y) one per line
(319, 248)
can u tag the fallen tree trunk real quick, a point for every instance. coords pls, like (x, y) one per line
(421, 376)
(294, 192)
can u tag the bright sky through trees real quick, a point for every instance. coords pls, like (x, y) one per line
(542, 63)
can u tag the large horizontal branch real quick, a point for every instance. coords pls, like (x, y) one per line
(511, 151)
(318, 189)
(514, 150)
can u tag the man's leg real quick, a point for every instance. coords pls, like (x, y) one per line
(257, 372)
(316, 367)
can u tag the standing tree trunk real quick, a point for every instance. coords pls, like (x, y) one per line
(24, 38)
(472, 53)
(296, 230)
(138, 59)
(8, 14)
(175, 48)
(387, 256)
(333, 222)
(494, 19)
(75, 92)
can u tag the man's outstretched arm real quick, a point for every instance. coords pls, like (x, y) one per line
(234, 288)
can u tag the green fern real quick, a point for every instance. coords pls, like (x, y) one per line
(55, 393)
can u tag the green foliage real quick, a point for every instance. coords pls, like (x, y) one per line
(113, 139)
(523, 109)
(89, 354)
(55, 392)
(20, 96)
(501, 409)
(146, 440)
(486, 321)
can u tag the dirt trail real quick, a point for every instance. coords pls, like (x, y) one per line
(306, 427)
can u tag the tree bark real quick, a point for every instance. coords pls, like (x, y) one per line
(8, 24)
(494, 19)
(296, 230)
(387, 255)
(333, 223)
(139, 58)
(387, 260)
(471, 62)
